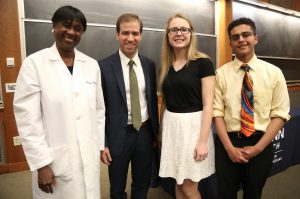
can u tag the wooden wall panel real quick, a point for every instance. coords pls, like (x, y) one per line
(10, 47)
(225, 17)
(289, 4)
(297, 5)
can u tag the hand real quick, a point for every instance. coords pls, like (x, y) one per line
(237, 155)
(46, 179)
(201, 151)
(105, 156)
(250, 152)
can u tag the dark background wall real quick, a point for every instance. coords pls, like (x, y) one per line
(99, 40)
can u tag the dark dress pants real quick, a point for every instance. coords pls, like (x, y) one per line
(251, 176)
(138, 149)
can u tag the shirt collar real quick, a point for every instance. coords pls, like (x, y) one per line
(238, 63)
(125, 59)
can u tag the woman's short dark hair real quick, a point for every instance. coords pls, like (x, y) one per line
(241, 21)
(66, 13)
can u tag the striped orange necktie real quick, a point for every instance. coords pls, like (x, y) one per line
(247, 114)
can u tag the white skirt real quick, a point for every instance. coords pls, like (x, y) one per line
(181, 132)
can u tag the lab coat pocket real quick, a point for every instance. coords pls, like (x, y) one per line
(61, 162)
(91, 94)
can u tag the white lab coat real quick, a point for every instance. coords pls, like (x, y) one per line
(60, 119)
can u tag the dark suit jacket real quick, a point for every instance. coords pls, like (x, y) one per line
(115, 100)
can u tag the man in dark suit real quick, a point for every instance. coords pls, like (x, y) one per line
(128, 141)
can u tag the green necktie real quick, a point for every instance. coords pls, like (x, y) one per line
(134, 98)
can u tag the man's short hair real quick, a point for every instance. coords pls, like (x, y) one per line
(241, 21)
(127, 17)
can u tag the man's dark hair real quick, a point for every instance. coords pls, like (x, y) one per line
(67, 13)
(241, 21)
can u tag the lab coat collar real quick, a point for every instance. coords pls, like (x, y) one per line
(55, 56)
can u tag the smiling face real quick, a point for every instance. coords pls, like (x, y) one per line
(129, 37)
(179, 39)
(67, 34)
(243, 41)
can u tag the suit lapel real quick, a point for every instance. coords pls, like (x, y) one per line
(117, 68)
(145, 67)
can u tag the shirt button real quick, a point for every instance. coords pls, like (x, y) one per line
(78, 118)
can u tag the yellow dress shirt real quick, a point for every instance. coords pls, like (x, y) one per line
(271, 98)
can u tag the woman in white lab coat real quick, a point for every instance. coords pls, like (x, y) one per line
(60, 114)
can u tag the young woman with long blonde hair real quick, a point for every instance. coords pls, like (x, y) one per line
(187, 81)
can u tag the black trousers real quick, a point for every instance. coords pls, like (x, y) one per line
(138, 151)
(251, 176)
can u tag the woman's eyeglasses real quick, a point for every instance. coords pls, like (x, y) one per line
(183, 31)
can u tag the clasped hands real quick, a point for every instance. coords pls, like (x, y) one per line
(242, 155)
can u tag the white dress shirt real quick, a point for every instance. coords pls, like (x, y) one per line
(137, 66)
